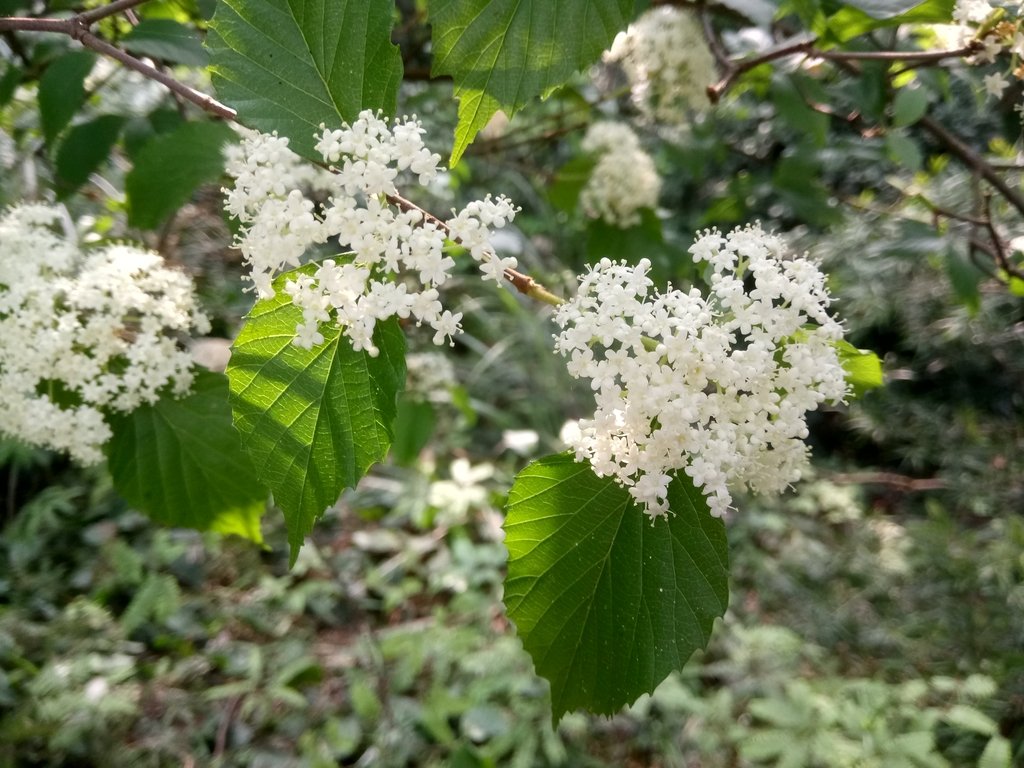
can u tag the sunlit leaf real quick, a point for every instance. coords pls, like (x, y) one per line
(181, 462)
(290, 65)
(313, 420)
(504, 53)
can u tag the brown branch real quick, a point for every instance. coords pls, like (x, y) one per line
(91, 17)
(805, 45)
(1001, 257)
(972, 160)
(890, 479)
(77, 29)
(736, 68)
(718, 51)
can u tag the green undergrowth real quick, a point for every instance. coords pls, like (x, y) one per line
(122, 644)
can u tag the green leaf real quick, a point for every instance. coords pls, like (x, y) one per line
(62, 91)
(414, 426)
(503, 53)
(965, 279)
(909, 105)
(863, 368)
(903, 151)
(313, 420)
(884, 9)
(84, 149)
(168, 40)
(182, 463)
(970, 719)
(850, 22)
(170, 168)
(606, 603)
(156, 600)
(998, 753)
(564, 192)
(9, 82)
(290, 65)
(604, 239)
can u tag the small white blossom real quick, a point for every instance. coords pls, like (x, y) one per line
(624, 180)
(716, 386)
(391, 248)
(667, 61)
(84, 333)
(995, 84)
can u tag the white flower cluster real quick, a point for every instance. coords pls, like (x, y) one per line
(8, 150)
(717, 386)
(973, 19)
(84, 332)
(667, 61)
(623, 181)
(429, 376)
(387, 241)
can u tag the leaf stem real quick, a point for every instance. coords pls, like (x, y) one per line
(523, 283)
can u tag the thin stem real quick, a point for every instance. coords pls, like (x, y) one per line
(201, 100)
(523, 283)
(972, 160)
(805, 45)
(91, 17)
(736, 68)
(77, 28)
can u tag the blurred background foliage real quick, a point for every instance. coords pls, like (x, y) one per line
(877, 616)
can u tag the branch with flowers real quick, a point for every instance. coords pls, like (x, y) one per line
(617, 546)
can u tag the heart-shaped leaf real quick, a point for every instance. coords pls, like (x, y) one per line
(607, 603)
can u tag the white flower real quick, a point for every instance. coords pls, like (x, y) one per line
(995, 84)
(391, 249)
(716, 386)
(667, 61)
(624, 180)
(84, 333)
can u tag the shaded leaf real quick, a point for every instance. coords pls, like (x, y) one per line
(182, 463)
(168, 40)
(564, 192)
(171, 167)
(313, 420)
(158, 598)
(85, 147)
(288, 66)
(62, 91)
(414, 426)
(909, 105)
(606, 603)
(504, 53)
(9, 82)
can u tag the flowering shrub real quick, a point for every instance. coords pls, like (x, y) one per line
(84, 332)
(623, 181)
(667, 61)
